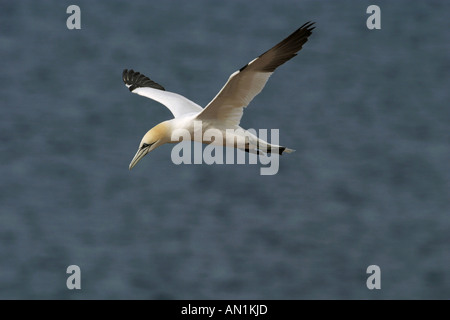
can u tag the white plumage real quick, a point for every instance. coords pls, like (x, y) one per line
(226, 109)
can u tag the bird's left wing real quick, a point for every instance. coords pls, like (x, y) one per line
(142, 85)
(243, 85)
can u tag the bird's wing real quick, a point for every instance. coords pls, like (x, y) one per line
(243, 85)
(142, 85)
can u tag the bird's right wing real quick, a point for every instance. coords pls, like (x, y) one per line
(243, 85)
(142, 85)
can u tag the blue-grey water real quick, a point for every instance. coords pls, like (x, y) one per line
(366, 110)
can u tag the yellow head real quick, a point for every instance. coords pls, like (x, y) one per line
(156, 136)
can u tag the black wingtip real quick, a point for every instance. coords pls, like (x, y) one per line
(137, 80)
(308, 26)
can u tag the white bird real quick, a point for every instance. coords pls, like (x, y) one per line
(225, 110)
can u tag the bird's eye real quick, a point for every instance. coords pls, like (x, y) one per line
(145, 145)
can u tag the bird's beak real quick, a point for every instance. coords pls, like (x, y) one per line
(138, 156)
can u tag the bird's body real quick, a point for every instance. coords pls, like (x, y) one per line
(223, 114)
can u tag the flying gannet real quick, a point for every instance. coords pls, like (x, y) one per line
(225, 110)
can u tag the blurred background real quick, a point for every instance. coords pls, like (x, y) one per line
(366, 110)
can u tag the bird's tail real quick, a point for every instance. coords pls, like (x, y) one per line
(259, 146)
(286, 150)
(269, 149)
(280, 149)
